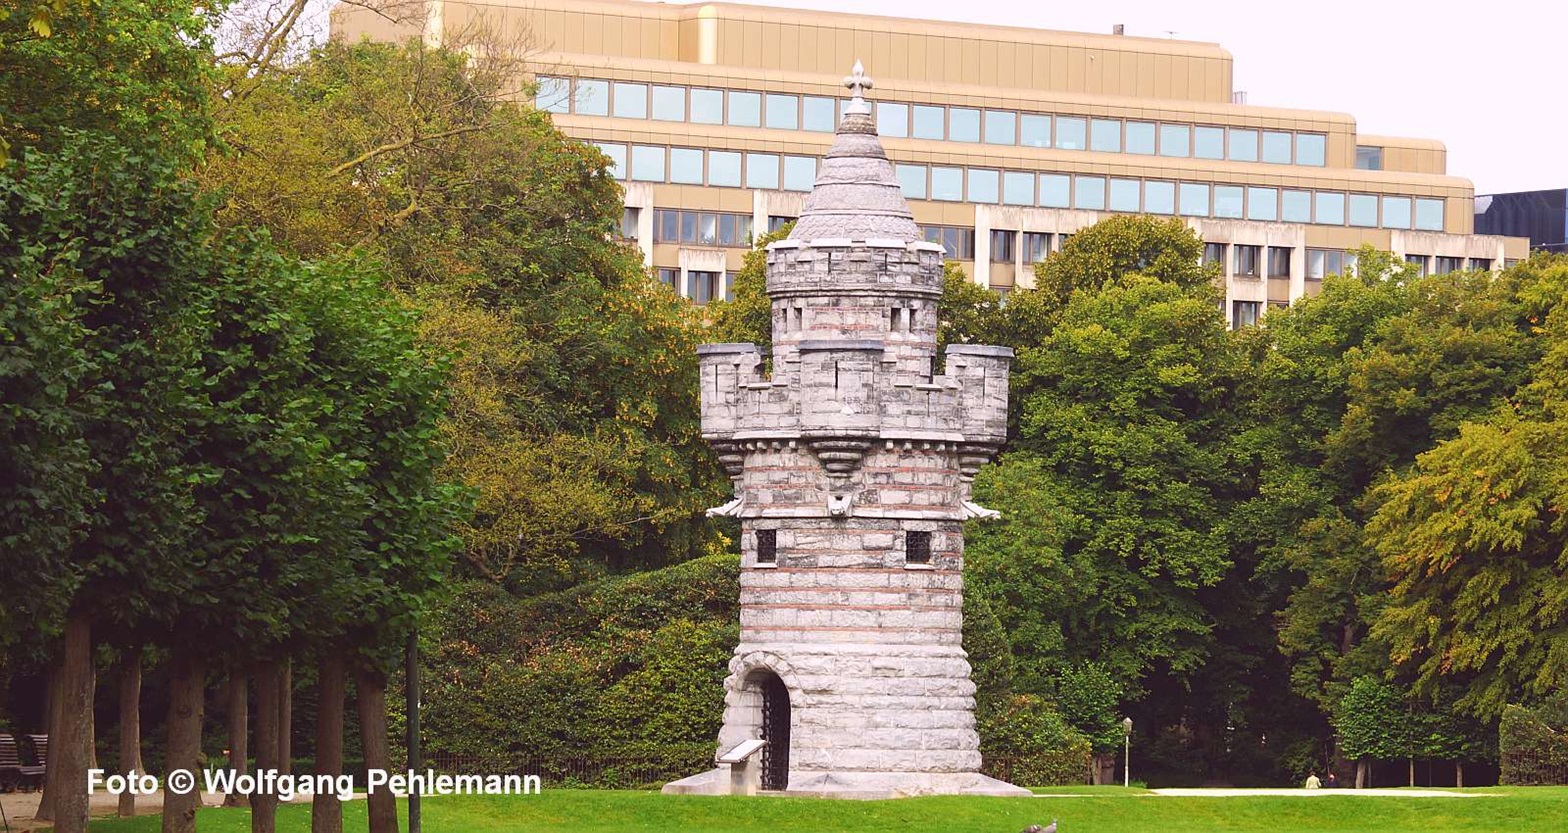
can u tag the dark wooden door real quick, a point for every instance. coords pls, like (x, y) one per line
(775, 730)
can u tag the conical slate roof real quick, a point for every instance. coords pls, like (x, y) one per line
(856, 195)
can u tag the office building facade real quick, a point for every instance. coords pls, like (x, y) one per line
(1005, 140)
(1541, 216)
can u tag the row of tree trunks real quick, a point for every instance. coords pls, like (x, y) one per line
(186, 702)
(130, 725)
(70, 706)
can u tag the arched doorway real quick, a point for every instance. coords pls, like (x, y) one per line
(774, 729)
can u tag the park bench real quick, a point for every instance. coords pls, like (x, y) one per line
(13, 772)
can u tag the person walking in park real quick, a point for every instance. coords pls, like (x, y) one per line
(1312, 781)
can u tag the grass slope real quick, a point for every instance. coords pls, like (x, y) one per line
(574, 811)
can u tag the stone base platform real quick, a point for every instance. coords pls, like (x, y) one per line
(858, 785)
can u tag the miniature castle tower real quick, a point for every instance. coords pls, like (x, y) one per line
(852, 467)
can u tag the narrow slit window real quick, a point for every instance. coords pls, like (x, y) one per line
(767, 546)
(917, 547)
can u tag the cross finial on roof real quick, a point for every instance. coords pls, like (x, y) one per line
(858, 82)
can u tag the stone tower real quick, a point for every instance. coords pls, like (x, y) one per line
(852, 465)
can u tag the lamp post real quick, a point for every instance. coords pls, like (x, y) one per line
(1126, 752)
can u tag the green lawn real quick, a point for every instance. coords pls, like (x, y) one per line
(574, 811)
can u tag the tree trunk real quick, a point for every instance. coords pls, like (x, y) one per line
(286, 718)
(130, 724)
(372, 689)
(1459, 773)
(52, 720)
(239, 731)
(326, 811)
(263, 803)
(1361, 773)
(187, 693)
(70, 742)
(1412, 771)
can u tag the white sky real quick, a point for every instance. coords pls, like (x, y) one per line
(1488, 78)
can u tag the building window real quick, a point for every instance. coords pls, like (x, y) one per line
(1429, 215)
(1363, 210)
(593, 97)
(1070, 133)
(963, 125)
(1017, 188)
(631, 101)
(1055, 190)
(554, 94)
(1276, 147)
(800, 172)
(647, 163)
(1311, 149)
(1245, 314)
(1034, 131)
(957, 242)
(1228, 201)
(1396, 212)
(947, 184)
(745, 109)
(1262, 204)
(1037, 244)
(1214, 254)
(1481, 264)
(930, 122)
(1330, 208)
(1140, 137)
(1243, 145)
(668, 276)
(617, 154)
(1105, 135)
(1089, 193)
(702, 287)
(1279, 261)
(724, 168)
(762, 170)
(1159, 197)
(1420, 262)
(1208, 142)
(983, 186)
(729, 286)
(1001, 127)
(767, 546)
(1369, 158)
(1324, 262)
(917, 547)
(1175, 140)
(1296, 206)
(783, 112)
(1002, 245)
(892, 119)
(912, 179)
(701, 228)
(1125, 194)
(775, 222)
(1449, 264)
(686, 166)
(707, 106)
(630, 217)
(817, 114)
(1194, 199)
(669, 103)
(1247, 261)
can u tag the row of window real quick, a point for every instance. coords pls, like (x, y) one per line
(771, 171)
(917, 547)
(783, 111)
(701, 228)
(701, 286)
